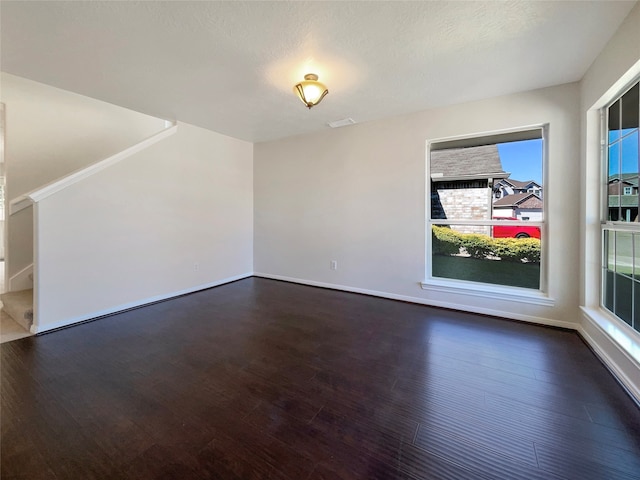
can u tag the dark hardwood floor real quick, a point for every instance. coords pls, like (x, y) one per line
(264, 379)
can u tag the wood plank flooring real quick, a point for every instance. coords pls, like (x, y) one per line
(263, 379)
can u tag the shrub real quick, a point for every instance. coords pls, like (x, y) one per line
(449, 242)
(477, 245)
(445, 241)
(530, 248)
(508, 249)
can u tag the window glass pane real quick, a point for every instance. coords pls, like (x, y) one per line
(623, 297)
(608, 269)
(614, 121)
(623, 253)
(522, 192)
(471, 253)
(630, 109)
(613, 182)
(618, 282)
(621, 247)
(636, 255)
(608, 289)
(629, 154)
(629, 178)
(610, 249)
(614, 161)
(488, 182)
(461, 200)
(636, 305)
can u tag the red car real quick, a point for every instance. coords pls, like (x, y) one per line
(514, 231)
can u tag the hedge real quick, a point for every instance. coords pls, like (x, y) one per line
(449, 242)
(445, 241)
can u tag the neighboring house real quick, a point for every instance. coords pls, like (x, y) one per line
(622, 191)
(508, 186)
(462, 184)
(523, 206)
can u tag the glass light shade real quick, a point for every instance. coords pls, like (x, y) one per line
(310, 90)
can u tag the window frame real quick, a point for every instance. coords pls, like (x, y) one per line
(606, 225)
(486, 290)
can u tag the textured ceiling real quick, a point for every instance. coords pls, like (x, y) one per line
(230, 66)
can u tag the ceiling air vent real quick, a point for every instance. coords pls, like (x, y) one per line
(342, 123)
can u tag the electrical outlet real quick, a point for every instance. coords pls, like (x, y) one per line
(334, 264)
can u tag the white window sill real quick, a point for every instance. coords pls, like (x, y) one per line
(492, 292)
(624, 336)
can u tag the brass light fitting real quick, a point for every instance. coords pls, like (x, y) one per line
(310, 90)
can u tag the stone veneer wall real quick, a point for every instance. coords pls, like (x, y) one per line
(467, 204)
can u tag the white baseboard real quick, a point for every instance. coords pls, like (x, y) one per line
(633, 388)
(601, 350)
(422, 301)
(605, 349)
(139, 303)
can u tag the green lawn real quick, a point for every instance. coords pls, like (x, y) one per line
(525, 275)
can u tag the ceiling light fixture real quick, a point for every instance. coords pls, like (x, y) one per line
(310, 90)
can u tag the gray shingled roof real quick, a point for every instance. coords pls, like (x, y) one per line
(519, 184)
(466, 163)
(515, 199)
(626, 178)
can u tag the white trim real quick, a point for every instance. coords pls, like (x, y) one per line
(619, 226)
(21, 280)
(19, 203)
(487, 133)
(617, 370)
(488, 223)
(614, 332)
(60, 184)
(138, 303)
(537, 297)
(628, 383)
(623, 84)
(612, 327)
(36, 268)
(594, 318)
(511, 294)
(424, 301)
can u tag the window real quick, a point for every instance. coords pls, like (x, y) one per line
(477, 234)
(620, 227)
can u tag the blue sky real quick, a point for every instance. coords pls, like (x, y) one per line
(629, 145)
(523, 159)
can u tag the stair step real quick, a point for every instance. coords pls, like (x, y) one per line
(19, 306)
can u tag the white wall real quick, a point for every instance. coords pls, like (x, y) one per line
(615, 67)
(22, 222)
(52, 132)
(357, 195)
(173, 218)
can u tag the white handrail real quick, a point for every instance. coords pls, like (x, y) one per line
(19, 203)
(26, 200)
